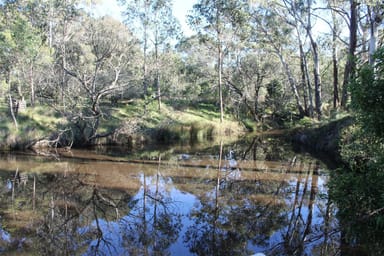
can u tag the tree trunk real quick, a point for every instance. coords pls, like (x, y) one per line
(316, 65)
(350, 67)
(335, 63)
(293, 85)
(32, 84)
(157, 78)
(374, 21)
(12, 112)
(288, 72)
(256, 104)
(219, 64)
(303, 79)
(145, 47)
(316, 73)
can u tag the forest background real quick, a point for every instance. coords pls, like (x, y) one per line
(69, 78)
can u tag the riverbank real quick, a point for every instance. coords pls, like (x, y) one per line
(132, 123)
(323, 137)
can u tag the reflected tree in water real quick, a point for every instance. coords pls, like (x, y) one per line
(228, 219)
(153, 225)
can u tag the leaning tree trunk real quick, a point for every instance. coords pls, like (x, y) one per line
(317, 78)
(293, 85)
(13, 112)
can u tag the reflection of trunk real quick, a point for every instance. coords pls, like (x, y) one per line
(144, 215)
(34, 193)
(294, 218)
(253, 147)
(52, 205)
(324, 248)
(217, 189)
(312, 196)
(14, 184)
(155, 221)
(296, 246)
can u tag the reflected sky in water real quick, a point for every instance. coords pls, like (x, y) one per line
(255, 195)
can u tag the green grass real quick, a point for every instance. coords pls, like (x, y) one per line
(198, 123)
(34, 123)
(133, 119)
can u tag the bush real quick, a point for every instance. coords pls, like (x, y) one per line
(367, 93)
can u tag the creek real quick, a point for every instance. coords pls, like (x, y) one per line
(254, 195)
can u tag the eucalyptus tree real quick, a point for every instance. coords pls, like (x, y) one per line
(20, 47)
(375, 11)
(249, 76)
(158, 28)
(299, 14)
(197, 70)
(276, 37)
(336, 31)
(210, 18)
(350, 67)
(96, 64)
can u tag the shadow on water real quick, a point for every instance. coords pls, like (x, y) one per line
(256, 195)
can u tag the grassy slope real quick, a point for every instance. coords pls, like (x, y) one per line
(33, 124)
(171, 124)
(131, 120)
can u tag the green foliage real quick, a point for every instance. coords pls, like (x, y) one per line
(367, 93)
(275, 102)
(358, 189)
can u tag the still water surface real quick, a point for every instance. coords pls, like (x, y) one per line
(249, 196)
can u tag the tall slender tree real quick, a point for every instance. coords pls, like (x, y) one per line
(159, 28)
(350, 67)
(208, 19)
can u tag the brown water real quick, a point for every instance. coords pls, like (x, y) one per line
(254, 195)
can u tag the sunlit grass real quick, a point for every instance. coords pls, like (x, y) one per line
(198, 123)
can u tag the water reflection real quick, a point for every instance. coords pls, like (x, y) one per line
(239, 199)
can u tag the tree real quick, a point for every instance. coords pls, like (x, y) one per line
(367, 95)
(247, 80)
(274, 36)
(350, 66)
(20, 45)
(154, 19)
(197, 72)
(97, 64)
(208, 21)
